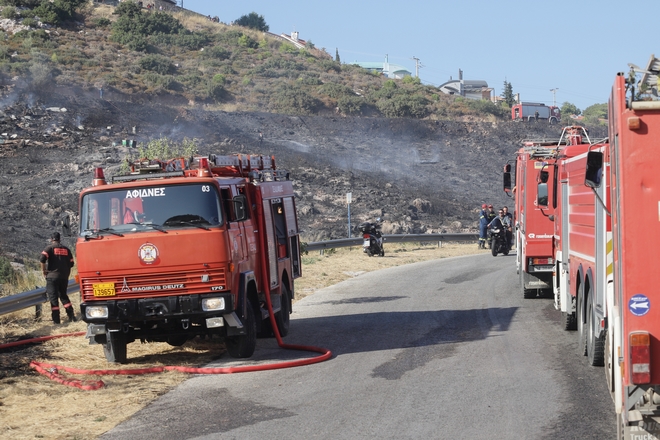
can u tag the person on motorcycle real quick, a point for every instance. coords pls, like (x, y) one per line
(483, 224)
(504, 222)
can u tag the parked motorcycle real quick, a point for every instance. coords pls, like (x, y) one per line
(497, 241)
(373, 239)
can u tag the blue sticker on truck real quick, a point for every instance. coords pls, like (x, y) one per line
(639, 305)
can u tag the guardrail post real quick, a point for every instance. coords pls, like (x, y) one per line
(37, 315)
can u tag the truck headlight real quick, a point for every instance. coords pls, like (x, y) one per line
(96, 312)
(212, 304)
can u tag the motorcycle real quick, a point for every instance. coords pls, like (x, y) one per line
(373, 239)
(497, 241)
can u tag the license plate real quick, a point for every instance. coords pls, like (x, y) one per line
(104, 289)
(366, 243)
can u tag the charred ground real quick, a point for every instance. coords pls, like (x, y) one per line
(418, 175)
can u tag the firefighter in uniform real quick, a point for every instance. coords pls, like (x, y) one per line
(483, 224)
(56, 263)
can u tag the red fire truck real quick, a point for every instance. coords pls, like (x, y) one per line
(608, 201)
(624, 253)
(188, 247)
(534, 228)
(528, 111)
(575, 278)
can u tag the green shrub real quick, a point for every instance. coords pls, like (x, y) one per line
(309, 79)
(9, 12)
(350, 105)
(29, 21)
(7, 273)
(156, 63)
(216, 92)
(295, 100)
(402, 104)
(218, 79)
(246, 41)
(216, 52)
(288, 48)
(101, 22)
(335, 90)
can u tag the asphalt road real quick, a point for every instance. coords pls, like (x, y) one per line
(443, 349)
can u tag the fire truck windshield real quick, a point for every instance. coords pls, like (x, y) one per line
(147, 208)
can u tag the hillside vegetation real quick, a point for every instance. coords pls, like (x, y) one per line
(183, 55)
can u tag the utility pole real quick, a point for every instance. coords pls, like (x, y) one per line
(418, 66)
(554, 102)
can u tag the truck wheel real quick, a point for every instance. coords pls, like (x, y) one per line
(609, 364)
(283, 316)
(115, 347)
(569, 321)
(527, 293)
(581, 330)
(595, 344)
(243, 346)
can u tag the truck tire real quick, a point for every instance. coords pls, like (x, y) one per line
(581, 328)
(283, 316)
(568, 319)
(609, 365)
(115, 347)
(595, 344)
(243, 346)
(527, 293)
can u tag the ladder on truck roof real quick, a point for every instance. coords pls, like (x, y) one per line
(256, 167)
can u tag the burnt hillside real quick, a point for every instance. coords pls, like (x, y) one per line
(420, 176)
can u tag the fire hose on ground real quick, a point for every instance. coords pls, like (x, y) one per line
(53, 372)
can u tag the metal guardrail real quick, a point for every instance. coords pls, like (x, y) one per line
(394, 238)
(36, 297)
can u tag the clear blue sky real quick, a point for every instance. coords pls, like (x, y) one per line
(574, 46)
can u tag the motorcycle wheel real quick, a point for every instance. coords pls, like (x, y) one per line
(493, 250)
(506, 250)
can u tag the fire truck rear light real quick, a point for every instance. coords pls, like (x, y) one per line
(634, 123)
(540, 260)
(640, 357)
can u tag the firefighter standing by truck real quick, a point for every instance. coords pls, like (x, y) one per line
(56, 263)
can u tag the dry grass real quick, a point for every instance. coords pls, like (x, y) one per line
(31, 405)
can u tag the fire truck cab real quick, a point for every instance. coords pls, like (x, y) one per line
(188, 247)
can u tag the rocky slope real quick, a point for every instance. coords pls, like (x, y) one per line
(420, 176)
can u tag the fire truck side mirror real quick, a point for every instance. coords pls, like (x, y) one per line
(592, 176)
(66, 226)
(507, 181)
(543, 176)
(240, 202)
(542, 195)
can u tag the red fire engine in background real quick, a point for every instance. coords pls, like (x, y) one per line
(188, 247)
(528, 111)
(534, 229)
